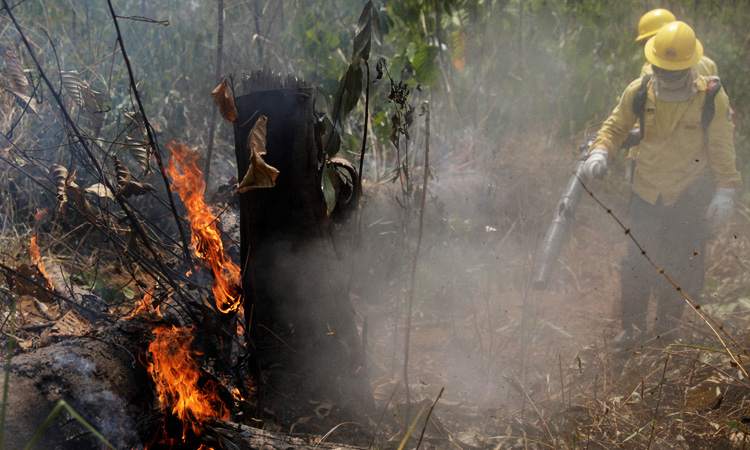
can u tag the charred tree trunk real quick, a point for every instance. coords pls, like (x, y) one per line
(293, 274)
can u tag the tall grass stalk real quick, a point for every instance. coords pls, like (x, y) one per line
(6, 382)
(62, 404)
(407, 331)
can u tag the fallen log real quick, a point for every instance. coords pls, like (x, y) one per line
(98, 375)
(102, 378)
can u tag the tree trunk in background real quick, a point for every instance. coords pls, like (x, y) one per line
(294, 280)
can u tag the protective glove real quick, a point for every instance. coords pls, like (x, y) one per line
(596, 164)
(721, 208)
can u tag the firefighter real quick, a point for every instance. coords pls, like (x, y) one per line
(682, 187)
(649, 24)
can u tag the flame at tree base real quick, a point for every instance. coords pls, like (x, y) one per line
(205, 238)
(179, 384)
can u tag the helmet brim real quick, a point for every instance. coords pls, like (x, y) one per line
(672, 65)
(644, 36)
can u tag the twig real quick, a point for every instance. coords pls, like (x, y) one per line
(164, 23)
(97, 164)
(658, 401)
(149, 131)
(426, 175)
(539, 413)
(429, 413)
(707, 318)
(217, 77)
(6, 381)
(385, 408)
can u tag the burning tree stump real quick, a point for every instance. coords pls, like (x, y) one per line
(295, 282)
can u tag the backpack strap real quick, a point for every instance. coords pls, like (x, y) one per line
(713, 86)
(639, 103)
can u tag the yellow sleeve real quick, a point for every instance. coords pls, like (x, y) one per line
(646, 69)
(615, 129)
(707, 67)
(721, 152)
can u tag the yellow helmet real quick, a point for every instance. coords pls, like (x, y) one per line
(674, 47)
(651, 23)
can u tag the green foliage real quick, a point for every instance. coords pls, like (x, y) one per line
(425, 65)
(90, 281)
(369, 31)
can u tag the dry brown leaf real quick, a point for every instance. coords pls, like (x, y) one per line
(17, 77)
(706, 392)
(23, 100)
(136, 188)
(259, 174)
(73, 84)
(224, 99)
(70, 324)
(93, 101)
(140, 151)
(78, 194)
(134, 122)
(59, 176)
(100, 190)
(122, 173)
(30, 281)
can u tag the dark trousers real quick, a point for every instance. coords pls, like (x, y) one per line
(674, 237)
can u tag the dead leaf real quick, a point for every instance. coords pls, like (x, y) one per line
(384, 389)
(23, 100)
(134, 122)
(59, 176)
(93, 101)
(29, 281)
(73, 85)
(78, 194)
(706, 393)
(224, 99)
(70, 324)
(44, 311)
(100, 190)
(136, 188)
(140, 151)
(17, 77)
(259, 174)
(122, 174)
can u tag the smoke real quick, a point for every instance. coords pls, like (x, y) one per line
(102, 408)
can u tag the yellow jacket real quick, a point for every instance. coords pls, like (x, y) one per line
(672, 154)
(705, 66)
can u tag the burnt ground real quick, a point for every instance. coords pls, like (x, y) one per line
(518, 368)
(535, 369)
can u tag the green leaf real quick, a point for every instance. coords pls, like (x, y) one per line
(334, 143)
(347, 94)
(368, 30)
(329, 183)
(425, 65)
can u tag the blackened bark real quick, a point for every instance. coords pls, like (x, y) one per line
(293, 276)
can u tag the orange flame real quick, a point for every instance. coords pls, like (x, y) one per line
(145, 303)
(178, 379)
(205, 239)
(36, 259)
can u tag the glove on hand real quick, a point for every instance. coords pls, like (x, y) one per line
(721, 208)
(596, 164)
